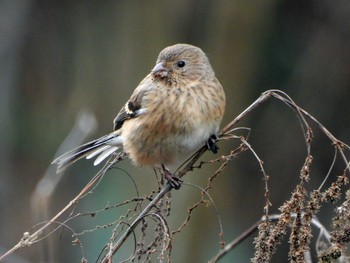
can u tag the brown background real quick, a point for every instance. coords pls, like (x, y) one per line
(58, 57)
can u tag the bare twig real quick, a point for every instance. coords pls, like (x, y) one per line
(114, 248)
(85, 124)
(227, 133)
(30, 238)
(254, 227)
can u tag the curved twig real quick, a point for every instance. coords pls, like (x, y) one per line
(247, 233)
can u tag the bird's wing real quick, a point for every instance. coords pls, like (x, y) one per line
(133, 107)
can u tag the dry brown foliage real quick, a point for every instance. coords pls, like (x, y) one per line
(147, 219)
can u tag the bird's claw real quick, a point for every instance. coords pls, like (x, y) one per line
(211, 143)
(174, 181)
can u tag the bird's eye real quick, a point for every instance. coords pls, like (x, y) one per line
(181, 64)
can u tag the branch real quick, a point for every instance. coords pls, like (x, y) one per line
(247, 233)
(29, 239)
(226, 133)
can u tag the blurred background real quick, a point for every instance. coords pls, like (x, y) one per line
(58, 58)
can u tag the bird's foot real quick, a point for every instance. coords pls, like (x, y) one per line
(174, 181)
(211, 143)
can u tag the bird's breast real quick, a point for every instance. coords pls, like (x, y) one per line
(175, 123)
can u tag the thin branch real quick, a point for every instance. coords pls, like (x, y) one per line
(28, 239)
(247, 233)
(227, 133)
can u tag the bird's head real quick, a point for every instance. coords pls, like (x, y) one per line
(181, 62)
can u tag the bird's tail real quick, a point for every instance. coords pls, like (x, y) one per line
(103, 147)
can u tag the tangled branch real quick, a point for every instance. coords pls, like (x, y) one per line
(296, 214)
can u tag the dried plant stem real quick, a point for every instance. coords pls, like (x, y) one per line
(114, 248)
(254, 227)
(227, 133)
(227, 129)
(131, 228)
(30, 238)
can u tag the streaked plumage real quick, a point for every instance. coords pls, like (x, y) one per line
(173, 112)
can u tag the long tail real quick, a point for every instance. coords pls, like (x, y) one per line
(103, 147)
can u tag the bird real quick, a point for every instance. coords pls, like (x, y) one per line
(175, 110)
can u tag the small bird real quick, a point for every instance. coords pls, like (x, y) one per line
(176, 109)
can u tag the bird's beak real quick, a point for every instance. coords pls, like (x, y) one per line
(160, 70)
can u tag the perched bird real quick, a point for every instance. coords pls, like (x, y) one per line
(176, 109)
